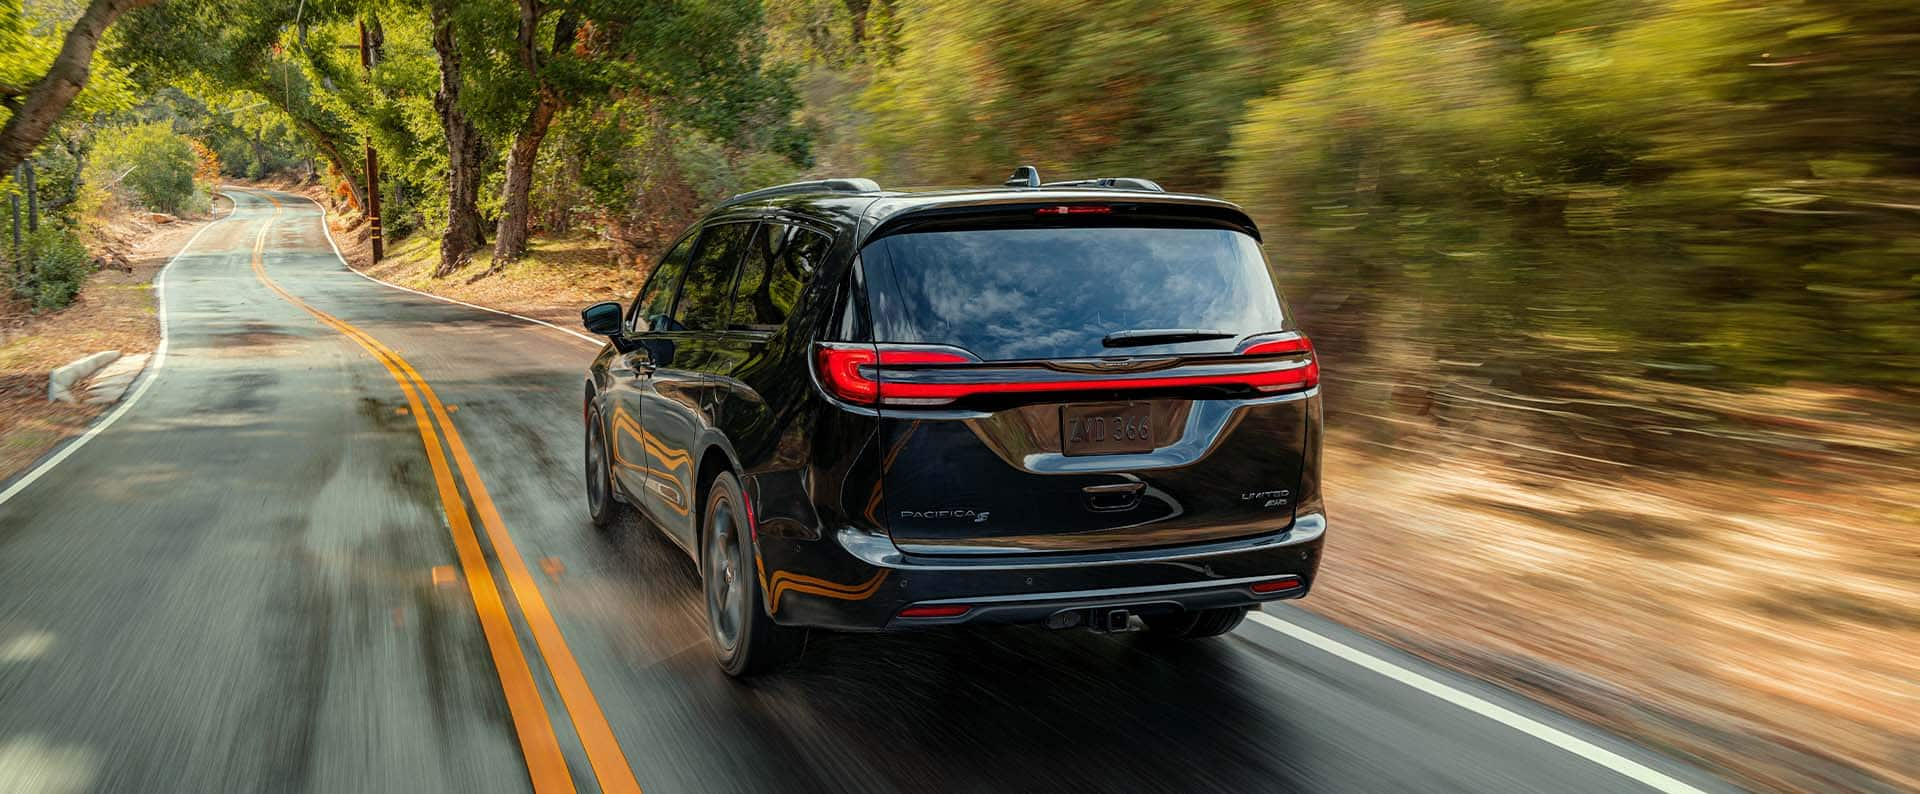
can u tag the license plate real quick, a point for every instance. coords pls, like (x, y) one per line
(1106, 429)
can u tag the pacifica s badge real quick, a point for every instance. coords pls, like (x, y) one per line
(979, 517)
(1268, 498)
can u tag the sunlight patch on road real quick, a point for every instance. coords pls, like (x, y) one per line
(29, 765)
(25, 647)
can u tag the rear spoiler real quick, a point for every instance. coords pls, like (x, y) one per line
(1051, 211)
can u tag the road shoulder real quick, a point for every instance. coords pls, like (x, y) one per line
(116, 310)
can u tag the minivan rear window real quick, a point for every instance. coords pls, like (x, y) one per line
(1047, 293)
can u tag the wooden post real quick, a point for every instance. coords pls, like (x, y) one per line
(33, 198)
(14, 199)
(373, 161)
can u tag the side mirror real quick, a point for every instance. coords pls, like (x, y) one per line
(602, 318)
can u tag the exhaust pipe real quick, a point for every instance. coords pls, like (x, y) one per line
(1065, 619)
(1097, 619)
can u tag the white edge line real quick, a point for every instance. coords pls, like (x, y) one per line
(328, 228)
(1620, 764)
(147, 378)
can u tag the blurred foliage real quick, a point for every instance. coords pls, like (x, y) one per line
(1519, 192)
(1087, 86)
(30, 37)
(1531, 192)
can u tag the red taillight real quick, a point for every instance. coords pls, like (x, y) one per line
(1075, 209)
(1290, 345)
(1275, 347)
(843, 367)
(940, 611)
(1279, 585)
(941, 393)
(857, 373)
(839, 369)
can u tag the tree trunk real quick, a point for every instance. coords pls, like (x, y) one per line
(465, 231)
(510, 239)
(857, 16)
(35, 116)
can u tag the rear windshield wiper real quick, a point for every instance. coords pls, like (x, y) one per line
(1162, 336)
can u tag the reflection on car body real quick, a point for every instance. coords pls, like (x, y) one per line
(1073, 405)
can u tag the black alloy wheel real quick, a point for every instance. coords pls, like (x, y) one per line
(745, 639)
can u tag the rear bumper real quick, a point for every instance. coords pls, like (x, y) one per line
(1086, 607)
(861, 582)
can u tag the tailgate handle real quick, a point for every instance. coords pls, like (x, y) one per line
(1114, 496)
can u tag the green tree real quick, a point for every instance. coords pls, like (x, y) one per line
(51, 269)
(39, 79)
(221, 48)
(701, 63)
(151, 163)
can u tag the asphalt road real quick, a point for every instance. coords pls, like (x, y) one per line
(253, 580)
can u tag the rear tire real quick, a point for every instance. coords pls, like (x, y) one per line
(746, 641)
(1195, 624)
(603, 505)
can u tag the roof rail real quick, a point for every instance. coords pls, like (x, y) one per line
(1121, 182)
(848, 185)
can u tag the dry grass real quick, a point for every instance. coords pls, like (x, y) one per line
(1767, 626)
(558, 277)
(554, 282)
(114, 311)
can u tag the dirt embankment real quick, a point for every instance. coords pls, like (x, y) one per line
(557, 279)
(1735, 582)
(115, 310)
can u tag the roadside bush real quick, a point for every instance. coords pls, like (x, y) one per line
(149, 165)
(49, 268)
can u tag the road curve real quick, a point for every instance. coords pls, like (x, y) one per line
(339, 544)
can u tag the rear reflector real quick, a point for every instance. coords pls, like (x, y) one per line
(1281, 584)
(942, 611)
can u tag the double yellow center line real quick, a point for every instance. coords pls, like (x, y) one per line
(545, 764)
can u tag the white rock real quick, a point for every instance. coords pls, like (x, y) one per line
(111, 382)
(61, 381)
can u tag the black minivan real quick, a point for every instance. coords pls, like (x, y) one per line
(1073, 404)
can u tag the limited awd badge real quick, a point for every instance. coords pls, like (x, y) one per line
(1268, 498)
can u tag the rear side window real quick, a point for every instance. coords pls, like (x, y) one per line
(779, 260)
(1046, 293)
(705, 291)
(650, 309)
